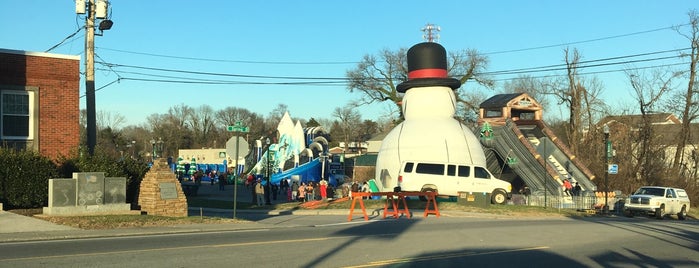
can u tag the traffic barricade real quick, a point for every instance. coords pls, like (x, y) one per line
(393, 203)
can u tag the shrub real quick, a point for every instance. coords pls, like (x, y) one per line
(24, 177)
(132, 169)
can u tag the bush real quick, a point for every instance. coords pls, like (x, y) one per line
(24, 177)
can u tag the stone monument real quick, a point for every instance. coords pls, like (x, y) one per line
(87, 193)
(161, 193)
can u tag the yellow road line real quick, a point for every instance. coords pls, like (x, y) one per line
(170, 248)
(442, 256)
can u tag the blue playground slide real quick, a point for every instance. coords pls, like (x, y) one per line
(309, 171)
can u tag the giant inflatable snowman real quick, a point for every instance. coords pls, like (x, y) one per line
(429, 133)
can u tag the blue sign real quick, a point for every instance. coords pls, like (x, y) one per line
(613, 169)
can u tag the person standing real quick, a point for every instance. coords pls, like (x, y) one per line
(366, 189)
(302, 192)
(354, 189)
(567, 187)
(221, 181)
(294, 191)
(309, 191)
(284, 186)
(577, 189)
(323, 190)
(275, 191)
(260, 193)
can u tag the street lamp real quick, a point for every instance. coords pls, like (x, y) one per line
(152, 143)
(269, 173)
(605, 129)
(160, 148)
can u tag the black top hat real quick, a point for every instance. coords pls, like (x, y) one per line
(427, 66)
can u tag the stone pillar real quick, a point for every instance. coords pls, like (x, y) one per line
(161, 193)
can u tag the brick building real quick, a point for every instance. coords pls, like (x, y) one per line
(39, 102)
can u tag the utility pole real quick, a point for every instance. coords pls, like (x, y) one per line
(90, 77)
(95, 9)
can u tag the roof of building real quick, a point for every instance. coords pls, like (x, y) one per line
(636, 120)
(499, 100)
(664, 125)
(40, 54)
(365, 160)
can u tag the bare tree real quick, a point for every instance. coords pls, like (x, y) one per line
(105, 119)
(649, 89)
(202, 121)
(273, 119)
(573, 97)
(377, 77)
(580, 96)
(689, 112)
(173, 128)
(593, 107)
(349, 121)
(255, 122)
(526, 84)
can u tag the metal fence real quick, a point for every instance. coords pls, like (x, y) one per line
(581, 202)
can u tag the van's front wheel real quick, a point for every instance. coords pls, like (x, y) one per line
(422, 197)
(498, 197)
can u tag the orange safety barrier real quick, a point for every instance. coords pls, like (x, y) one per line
(395, 199)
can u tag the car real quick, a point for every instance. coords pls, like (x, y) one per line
(449, 179)
(658, 201)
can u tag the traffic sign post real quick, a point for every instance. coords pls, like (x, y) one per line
(238, 127)
(613, 169)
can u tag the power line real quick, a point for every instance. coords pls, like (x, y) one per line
(64, 39)
(597, 72)
(354, 62)
(557, 66)
(547, 68)
(327, 83)
(584, 41)
(112, 65)
(564, 67)
(233, 61)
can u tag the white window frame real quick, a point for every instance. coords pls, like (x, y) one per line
(32, 115)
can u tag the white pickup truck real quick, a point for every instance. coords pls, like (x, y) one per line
(658, 201)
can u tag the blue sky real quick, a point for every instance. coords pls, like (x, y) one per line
(324, 39)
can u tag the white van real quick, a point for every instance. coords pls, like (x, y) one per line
(448, 179)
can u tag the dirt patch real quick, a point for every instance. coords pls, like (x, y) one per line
(131, 221)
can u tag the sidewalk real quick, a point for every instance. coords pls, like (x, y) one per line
(14, 227)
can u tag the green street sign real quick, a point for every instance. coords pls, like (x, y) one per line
(238, 127)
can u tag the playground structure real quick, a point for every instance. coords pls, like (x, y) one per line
(297, 154)
(523, 150)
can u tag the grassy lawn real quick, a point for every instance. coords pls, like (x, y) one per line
(379, 204)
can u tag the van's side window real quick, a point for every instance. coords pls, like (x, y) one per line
(408, 167)
(480, 173)
(451, 170)
(464, 171)
(425, 168)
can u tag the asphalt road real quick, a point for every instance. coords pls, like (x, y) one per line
(331, 241)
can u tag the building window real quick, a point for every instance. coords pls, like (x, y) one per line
(16, 115)
(493, 113)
